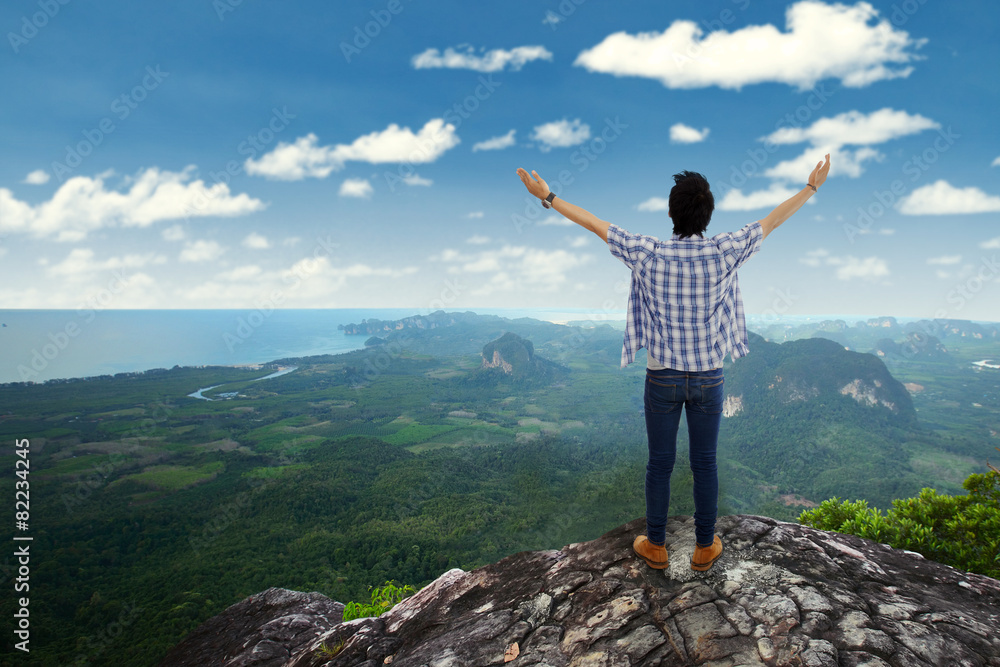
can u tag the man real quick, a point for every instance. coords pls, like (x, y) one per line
(685, 308)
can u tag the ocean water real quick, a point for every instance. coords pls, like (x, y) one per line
(39, 345)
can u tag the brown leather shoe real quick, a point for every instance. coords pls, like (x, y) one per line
(705, 557)
(655, 556)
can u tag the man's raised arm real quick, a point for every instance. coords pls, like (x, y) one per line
(580, 216)
(785, 209)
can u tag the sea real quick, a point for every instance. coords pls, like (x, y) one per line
(41, 345)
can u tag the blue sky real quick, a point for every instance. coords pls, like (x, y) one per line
(330, 155)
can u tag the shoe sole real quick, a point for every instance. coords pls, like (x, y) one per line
(656, 565)
(701, 567)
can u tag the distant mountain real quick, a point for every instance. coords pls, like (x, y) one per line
(443, 334)
(435, 320)
(513, 357)
(815, 370)
(870, 334)
(915, 347)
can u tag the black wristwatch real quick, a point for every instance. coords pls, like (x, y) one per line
(547, 202)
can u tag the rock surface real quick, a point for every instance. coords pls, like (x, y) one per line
(264, 630)
(781, 594)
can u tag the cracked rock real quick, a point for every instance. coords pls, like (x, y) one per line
(781, 594)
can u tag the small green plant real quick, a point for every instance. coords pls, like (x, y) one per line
(961, 531)
(384, 598)
(331, 651)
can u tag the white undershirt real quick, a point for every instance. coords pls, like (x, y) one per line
(652, 364)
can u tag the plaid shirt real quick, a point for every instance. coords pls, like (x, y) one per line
(684, 305)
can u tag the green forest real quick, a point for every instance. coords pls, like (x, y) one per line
(152, 511)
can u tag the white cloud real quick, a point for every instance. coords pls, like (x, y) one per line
(941, 198)
(855, 128)
(853, 267)
(478, 240)
(495, 143)
(655, 204)
(80, 262)
(821, 41)
(256, 241)
(416, 179)
(685, 134)
(848, 267)
(814, 258)
(37, 177)
(516, 269)
(945, 259)
(82, 279)
(996, 162)
(992, 244)
(291, 240)
(491, 61)
(201, 251)
(556, 221)
(305, 158)
(241, 273)
(313, 280)
(579, 242)
(735, 200)
(475, 214)
(356, 187)
(848, 162)
(82, 205)
(175, 233)
(851, 128)
(561, 134)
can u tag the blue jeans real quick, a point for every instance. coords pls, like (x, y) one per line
(701, 395)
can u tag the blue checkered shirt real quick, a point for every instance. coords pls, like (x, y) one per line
(684, 304)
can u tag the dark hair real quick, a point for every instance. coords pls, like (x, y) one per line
(691, 203)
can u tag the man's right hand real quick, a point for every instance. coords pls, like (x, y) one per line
(818, 175)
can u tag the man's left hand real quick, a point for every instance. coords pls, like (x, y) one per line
(536, 186)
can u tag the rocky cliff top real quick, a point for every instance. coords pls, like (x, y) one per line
(781, 594)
